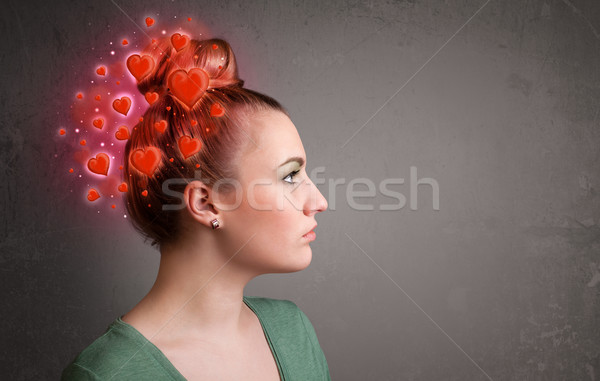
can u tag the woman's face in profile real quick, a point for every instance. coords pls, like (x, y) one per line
(278, 201)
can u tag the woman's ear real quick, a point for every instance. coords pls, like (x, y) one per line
(197, 197)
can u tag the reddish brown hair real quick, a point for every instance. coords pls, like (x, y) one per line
(222, 137)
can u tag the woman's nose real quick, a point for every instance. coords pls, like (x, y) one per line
(316, 202)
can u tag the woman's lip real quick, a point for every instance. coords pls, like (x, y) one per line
(311, 230)
(311, 236)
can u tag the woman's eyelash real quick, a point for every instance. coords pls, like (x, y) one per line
(291, 175)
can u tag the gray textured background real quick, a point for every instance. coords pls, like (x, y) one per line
(503, 280)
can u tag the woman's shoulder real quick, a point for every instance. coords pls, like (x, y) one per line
(278, 312)
(271, 304)
(120, 352)
(293, 335)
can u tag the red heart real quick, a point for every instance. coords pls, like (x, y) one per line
(122, 105)
(189, 146)
(122, 133)
(93, 195)
(147, 160)
(99, 164)
(140, 67)
(149, 21)
(98, 123)
(161, 126)
(101, 70)
(145, 193)
(122, 187)
(189, 86)
(151, 97)
(179, 41)
(217, 110)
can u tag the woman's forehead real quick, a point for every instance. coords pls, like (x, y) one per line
(273, 139)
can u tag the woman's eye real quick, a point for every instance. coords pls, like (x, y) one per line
(291, 176)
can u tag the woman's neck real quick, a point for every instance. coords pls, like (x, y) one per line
(195, 294)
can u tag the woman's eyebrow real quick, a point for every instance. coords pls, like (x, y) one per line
(294, 158)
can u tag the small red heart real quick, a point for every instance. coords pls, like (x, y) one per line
(62, 131)
(99, 164)
(101, 70)
(194, 122)
(82, 142)
(98, 123)
(189, 146)
(179, 41)
(215, 47)
(168, 108)
(122, 133)
(188, 86)
(144, 193)
(122, 105)
(125, 42)
(146, 160)
(161, 126)
(217, 110)
(151, 97)
(93, 195)
(97, 97)
(122, 187)
(149, 21)
(79, 95)
(140, 67)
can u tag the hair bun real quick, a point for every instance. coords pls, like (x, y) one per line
(214, 56)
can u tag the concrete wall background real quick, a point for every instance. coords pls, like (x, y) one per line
(501, 282)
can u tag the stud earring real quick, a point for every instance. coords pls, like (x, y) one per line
(215, 223)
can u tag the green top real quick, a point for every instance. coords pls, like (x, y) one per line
(123, 353)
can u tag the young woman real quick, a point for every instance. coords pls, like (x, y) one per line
(217, 181)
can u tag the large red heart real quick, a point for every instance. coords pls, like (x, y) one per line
(98, 123)
(161, 126)
(140, 67)
(93, 195)
(147, 160)
(122, 187)
(122, 105)
(189, 146)
(122, 133)
(179, 41)
(189, 86)
(99, 164)
(217, 110)
(151, 97)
